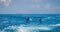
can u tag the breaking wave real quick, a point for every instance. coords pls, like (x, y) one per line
(23, 28)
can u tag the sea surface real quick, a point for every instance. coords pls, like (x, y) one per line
(29, 22)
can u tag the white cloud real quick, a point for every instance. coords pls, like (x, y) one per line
(56, 7)
(47, 6)
(37, 0)
(5, 2)
(35, 6)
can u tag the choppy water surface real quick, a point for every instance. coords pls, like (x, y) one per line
(30, 22)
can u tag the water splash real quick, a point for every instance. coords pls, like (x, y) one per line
(25, 28)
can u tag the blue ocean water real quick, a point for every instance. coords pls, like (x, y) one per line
(30, 22)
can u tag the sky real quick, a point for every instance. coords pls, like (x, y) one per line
(29, 6)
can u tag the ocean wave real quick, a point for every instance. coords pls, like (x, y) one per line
(24, 28)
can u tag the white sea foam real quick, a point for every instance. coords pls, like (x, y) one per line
(27, 29)
(49, 18)
(55, 24)
(24, 28)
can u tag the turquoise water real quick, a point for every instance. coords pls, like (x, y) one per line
(36, 22)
